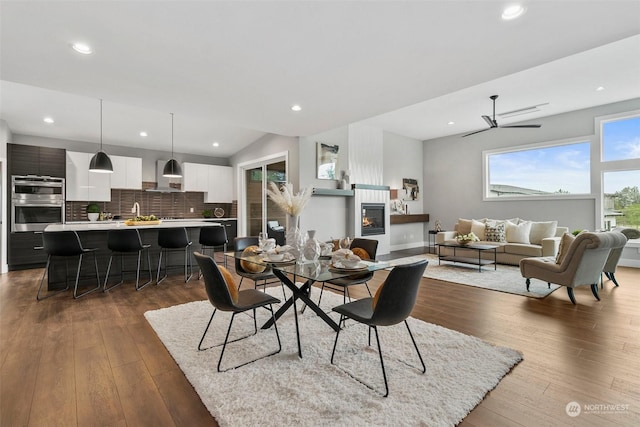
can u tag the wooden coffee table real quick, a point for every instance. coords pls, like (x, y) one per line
(466, 259)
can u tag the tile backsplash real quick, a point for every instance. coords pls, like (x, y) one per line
(162, 205)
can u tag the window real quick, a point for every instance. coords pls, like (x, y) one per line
(621, 199)
(621, 139)
(547, 170)
(620, 166)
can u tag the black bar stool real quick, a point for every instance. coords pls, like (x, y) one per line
(66, 244)
(213, 237)
(122, 242)
(171, 239)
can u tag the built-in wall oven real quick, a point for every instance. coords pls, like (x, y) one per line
(36, 201)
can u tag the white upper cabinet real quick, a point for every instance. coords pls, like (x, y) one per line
(127, 172)
(85, 186)
(195, 177)
(216, 182)
(220, 188)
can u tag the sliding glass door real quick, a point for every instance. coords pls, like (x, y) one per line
(257, 207)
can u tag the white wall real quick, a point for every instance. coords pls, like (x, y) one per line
(5, 138)
(325, 214)
(453, 172)
(403, 159)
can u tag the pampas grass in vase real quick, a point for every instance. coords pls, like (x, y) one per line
(292, 204)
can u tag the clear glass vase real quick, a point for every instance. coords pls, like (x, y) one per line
(293, 237)
(311, 250)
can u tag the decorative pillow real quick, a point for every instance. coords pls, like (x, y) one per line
(542, 230)
(518, 233)
(230, 282)
(566, 241)
(361, 253)
(464, 226)
(377, 295)
(251, 267)
(495, 233)
(478, 228)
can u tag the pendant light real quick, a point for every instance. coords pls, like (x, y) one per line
(172, 169)
(100, 162)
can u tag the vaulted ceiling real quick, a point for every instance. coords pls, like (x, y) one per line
(230, 71)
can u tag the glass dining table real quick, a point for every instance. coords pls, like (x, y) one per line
(289, 272)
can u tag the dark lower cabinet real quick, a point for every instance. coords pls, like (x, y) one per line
(25, 252)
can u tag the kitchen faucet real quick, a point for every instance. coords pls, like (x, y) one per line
(136, 208)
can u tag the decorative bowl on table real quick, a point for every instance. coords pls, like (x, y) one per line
(465, 239)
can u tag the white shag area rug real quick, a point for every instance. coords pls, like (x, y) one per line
(506, 278)
(286, 390)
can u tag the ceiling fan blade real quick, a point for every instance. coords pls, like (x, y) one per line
(521, 126)
(478, 131)
(490, 121)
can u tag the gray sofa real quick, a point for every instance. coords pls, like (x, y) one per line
(514, 238)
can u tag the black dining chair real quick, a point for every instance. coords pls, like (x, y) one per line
(120, 243)
(173, 239)
(261, 278)
(224, 296)
(391, 305)
(370, 247)
(211, 238)
(65, 244)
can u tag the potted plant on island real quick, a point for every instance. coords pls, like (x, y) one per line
(93, 211)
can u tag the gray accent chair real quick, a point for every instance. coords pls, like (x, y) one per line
(582, 264)
(610, 266)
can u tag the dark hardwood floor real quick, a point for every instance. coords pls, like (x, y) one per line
(96, 361)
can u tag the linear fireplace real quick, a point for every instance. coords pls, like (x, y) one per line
(373, 219)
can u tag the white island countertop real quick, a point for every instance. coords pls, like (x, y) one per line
(117, 225)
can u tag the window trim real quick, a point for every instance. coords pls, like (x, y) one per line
(538, 145)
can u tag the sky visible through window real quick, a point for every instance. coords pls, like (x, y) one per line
(563, 168)
(621, 139)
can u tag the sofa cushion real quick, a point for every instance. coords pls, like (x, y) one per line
(565, 242)
(542, 230)
(477, 228)
(464, 226)
(495, 233)
(523, 249)
(518, 233)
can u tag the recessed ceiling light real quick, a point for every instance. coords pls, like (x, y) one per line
(296, 107)
(599, 88)
(512, 12)
(82, 48)
(215, 144)
(143, 134)
(451, 123)
(48, 120)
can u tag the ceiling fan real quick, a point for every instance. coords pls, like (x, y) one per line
(491, 121)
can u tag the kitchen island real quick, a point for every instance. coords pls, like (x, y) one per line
(93, 234)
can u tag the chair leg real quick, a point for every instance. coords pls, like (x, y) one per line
(44, 273)
(321, 290)
(424, 368)
(99, 285)
(613, 279)
(594, 290)
(158, 280)
(106, 277)
(384, 372)
(187, 258)
(205, 332)
(571, 296)
(368, 290)
(226, 341)
(528, 283)
(138, 287)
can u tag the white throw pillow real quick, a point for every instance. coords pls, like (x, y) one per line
(518, 233)
(542, 230)
(478, 228)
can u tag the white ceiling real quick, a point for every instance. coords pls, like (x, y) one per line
(230, 71)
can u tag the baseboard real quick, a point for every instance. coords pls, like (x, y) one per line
(628, 262)
(411, 245)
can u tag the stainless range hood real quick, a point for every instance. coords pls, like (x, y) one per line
(163, 183)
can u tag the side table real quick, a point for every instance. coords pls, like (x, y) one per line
(431, 242)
